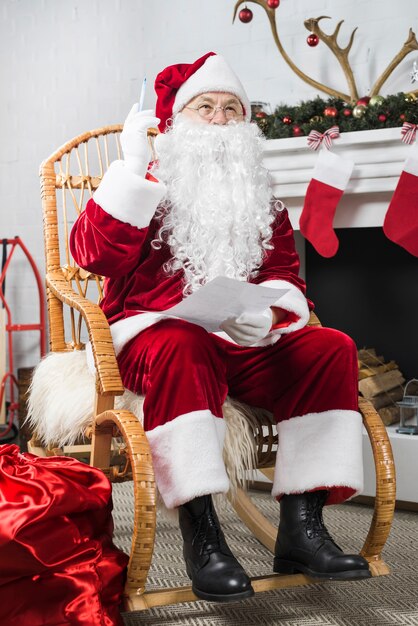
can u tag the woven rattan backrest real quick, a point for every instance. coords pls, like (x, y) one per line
(68, 179)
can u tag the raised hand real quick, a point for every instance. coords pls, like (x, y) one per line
(134, 139)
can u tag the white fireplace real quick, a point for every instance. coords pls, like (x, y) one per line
(378, 156)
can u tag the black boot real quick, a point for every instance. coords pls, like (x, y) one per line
(304, 544)
(214, 571)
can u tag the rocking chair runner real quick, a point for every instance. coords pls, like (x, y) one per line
(68, 178)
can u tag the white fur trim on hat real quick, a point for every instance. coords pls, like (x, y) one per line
(214, 75)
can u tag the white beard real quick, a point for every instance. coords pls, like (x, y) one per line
(217, 213)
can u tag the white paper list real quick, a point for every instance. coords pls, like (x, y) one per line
(222, 298)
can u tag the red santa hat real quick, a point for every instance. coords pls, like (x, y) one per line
(177, 84)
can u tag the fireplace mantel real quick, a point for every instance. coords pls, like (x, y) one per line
(378, 156)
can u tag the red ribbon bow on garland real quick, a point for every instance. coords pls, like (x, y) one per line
(315, 138)
(408, 132)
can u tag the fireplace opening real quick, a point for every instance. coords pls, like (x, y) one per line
(369, 290)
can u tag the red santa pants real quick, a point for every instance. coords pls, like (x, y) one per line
(308, 380)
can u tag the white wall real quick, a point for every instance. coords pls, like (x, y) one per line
(68, 66)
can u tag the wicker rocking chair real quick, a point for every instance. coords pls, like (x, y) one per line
(68, 178)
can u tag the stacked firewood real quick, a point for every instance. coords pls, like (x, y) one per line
(381, 383)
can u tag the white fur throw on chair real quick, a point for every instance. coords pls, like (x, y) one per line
(60, 408)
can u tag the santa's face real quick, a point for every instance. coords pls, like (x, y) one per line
(214, 108)
(217, 214)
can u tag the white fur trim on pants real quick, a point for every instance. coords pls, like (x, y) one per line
(319, 450)
(128, 197)
(187, 457)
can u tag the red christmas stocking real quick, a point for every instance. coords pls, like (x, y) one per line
(329, 180)
(401, 220)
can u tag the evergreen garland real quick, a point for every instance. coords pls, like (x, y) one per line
(309, 115)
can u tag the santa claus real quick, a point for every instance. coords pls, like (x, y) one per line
(206, 209)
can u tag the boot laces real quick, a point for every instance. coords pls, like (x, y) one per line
(315, 526)
(207, 536)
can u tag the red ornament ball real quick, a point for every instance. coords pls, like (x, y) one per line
(245, 15)
(382, 117)
(347, 112)
(297, 131)
(287, 120)
(273, 4)
(402, 117)
(312, 40)
(330, 112)
(363, 101)
(261, 114)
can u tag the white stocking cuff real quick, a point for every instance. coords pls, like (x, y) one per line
(333, 170)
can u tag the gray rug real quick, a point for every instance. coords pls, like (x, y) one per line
(378, 601)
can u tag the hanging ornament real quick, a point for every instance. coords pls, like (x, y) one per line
(402, 117)
(261, 115)
(287, 120)
(363, 102)
(245, 15)
(316, 119)
(376, 101)
(347, 112)
(359, 111)
(382, 117)
(312, 40)
(410, 97)
(330, 112)
(273, 4)
(297, 131)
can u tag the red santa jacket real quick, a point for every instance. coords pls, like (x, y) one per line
(114, 241)
(136, 282)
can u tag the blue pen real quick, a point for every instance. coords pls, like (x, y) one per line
(142, 96)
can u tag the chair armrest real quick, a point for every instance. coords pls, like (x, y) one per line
(108, 377)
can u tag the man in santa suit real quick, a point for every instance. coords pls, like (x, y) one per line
(206, 209)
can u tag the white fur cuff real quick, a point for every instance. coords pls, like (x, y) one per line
(127, 196)
(319, 450)
(293, 301)
(187, 457)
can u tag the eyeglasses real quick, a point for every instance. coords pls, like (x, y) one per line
(208, 112)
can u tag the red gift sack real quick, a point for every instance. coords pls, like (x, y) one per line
(58, 564)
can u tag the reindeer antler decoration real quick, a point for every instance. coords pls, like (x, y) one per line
(340, 53)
